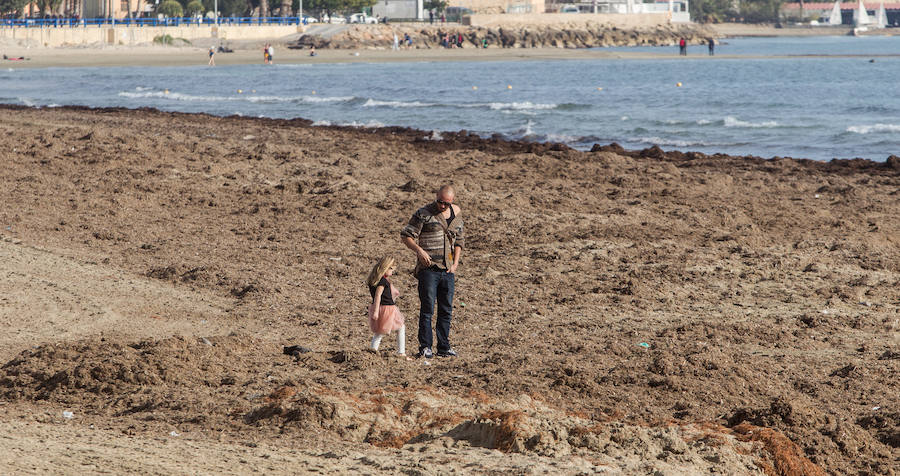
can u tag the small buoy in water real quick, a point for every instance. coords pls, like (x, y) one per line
(678, 84)
(166, 91)
(252, 90)
(474, 87)
(509, 86)
(240, 91)
(314, 92)
(871, 61)
(599, 89)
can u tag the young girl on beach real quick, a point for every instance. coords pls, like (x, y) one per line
(384, 316)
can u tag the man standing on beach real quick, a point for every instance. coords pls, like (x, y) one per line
(212, 56)
(435, 234)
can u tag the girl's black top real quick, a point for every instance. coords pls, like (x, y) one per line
(386, 298)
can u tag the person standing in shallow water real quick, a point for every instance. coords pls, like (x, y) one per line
(435, 235)
(712, 46)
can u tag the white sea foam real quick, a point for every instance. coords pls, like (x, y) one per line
(703, 122)
(435, 135)
(732, 121)
(365, 125)
(377, 103)
(624, 118)
(874, 128)
(564, 138)
(670, 142)
(527, 130)
(518, 106)
(327, 98)
(175, 96)
(518, 112)
(26, 101)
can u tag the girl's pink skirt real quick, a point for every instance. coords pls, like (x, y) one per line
(389, 319)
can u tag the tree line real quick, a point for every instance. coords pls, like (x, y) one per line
(739, 11)
(178, 8)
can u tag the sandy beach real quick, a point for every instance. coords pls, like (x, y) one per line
(196, 56)
(616, 312)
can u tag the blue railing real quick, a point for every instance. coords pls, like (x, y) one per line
(87, 22)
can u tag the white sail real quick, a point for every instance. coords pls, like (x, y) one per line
(860, 16)
(835, 18)
(881, 17)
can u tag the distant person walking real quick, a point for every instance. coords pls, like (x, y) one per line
(271, 51)
(682, 47)
(435, 234)
(384, 315)
(431, 17)
(212, 56)
(266, 54)
(396, 46)
(711, 43)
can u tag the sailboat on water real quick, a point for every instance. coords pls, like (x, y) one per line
(835, 17)
(860, 16)
(880, 17)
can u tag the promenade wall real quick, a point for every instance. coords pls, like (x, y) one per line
(135, 35)
(572, 20)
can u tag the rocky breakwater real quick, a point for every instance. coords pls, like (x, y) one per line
(537, 36)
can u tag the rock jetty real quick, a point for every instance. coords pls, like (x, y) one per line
(538, 36)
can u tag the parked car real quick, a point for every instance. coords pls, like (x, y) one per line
(308, 19)
(362, 18)
(568, 9)
(333, 19)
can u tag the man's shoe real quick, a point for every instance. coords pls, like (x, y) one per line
(425, 352)
(447, 353)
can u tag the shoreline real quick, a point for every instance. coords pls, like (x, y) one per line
(470, 140)
(158, 56)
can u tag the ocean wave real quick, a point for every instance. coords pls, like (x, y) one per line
(362, 125)
(176, 96)
(866, 129)
(732, 121)
(399, 104)
(672, 142)
(519, 106)
(26, 101)
(315, 99)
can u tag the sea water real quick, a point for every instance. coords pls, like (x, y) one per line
(818, 98)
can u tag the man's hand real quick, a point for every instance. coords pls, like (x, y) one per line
(424, 258)
(452, 268)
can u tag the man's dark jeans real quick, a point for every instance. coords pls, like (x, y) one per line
(435, 284)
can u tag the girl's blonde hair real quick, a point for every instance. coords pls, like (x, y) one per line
(379, 269)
